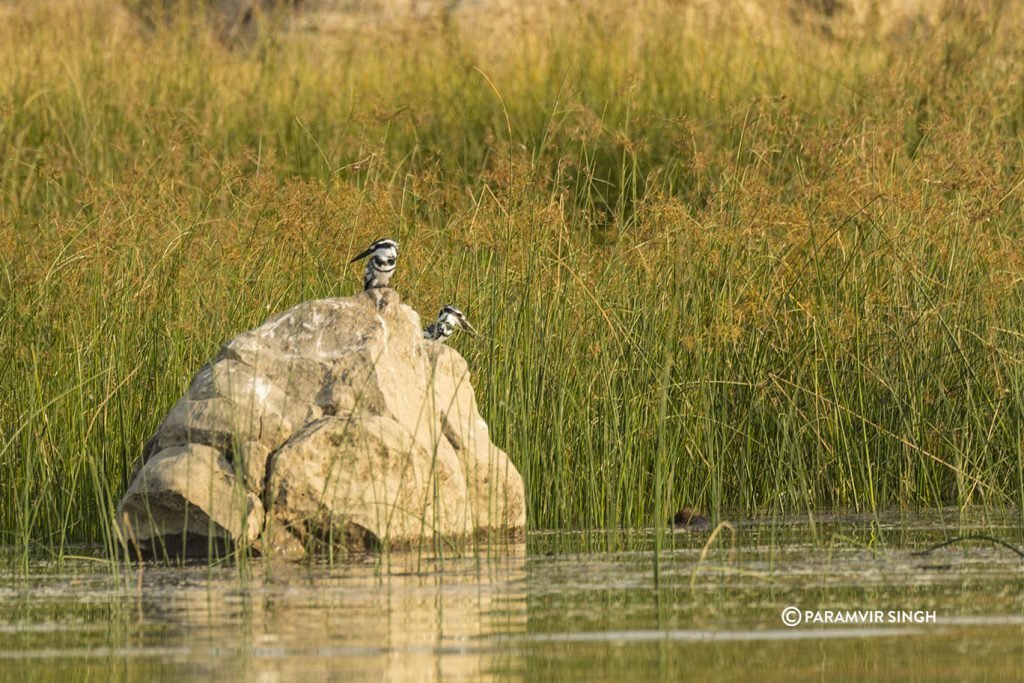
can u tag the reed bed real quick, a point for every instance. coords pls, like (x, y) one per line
(755, 267)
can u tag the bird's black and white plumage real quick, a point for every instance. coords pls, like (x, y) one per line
(445, 324)
(381, 266)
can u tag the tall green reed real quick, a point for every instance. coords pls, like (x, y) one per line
(711, 271)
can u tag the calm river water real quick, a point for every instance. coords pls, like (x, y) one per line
(565, 606)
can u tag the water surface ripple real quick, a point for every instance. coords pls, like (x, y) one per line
(562, 606)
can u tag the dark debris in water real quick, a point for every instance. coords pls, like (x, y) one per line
(689, 518)
(958, 540)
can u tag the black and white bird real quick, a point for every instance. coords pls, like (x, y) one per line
(445, 324)
(381, 266)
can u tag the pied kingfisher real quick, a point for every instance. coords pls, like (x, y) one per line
(381, 266)
(445, 324)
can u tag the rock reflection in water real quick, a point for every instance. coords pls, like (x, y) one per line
(405, 617)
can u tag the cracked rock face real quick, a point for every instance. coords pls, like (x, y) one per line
(333, 424)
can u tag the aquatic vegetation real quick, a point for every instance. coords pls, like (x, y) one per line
(714, 262)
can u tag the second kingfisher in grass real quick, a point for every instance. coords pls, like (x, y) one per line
(445, 324)
(381, 266)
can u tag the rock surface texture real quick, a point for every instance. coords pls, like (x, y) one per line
(332, 425)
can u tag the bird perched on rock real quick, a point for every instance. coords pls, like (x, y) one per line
(445, 324)
(381, 266)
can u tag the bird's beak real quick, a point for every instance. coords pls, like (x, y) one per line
(469, 328)
(363, 255)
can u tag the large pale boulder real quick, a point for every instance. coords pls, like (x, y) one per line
(333, 424)
(189, 490)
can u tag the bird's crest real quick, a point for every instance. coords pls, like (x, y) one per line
(379, 245)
